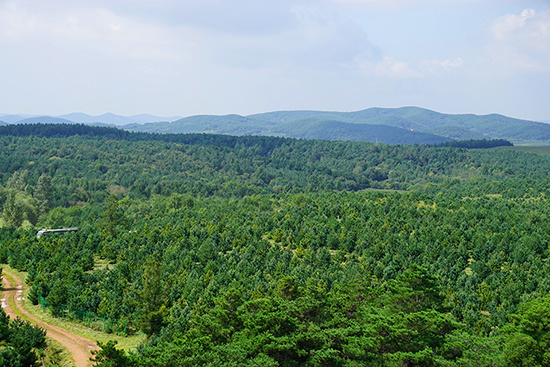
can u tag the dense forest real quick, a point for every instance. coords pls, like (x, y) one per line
(268, 251)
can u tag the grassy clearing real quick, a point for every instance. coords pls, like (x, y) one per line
(126, 343)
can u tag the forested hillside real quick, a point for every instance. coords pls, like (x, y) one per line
(337, 130)
(281, 252)
(385, 125)
(405, 125)
(459, 127)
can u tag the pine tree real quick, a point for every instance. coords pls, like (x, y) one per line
(113, 216)
(43, 193)
(13, 213)
(18, 181)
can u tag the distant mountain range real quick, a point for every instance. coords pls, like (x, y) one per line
(82, 118)
(406, 125)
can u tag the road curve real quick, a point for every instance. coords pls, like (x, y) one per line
(79, 347)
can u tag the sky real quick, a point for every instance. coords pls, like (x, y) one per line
(183, 57)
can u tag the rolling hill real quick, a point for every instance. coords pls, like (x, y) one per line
(45, 120)
(228, 124)
(405, 125)
(106, 119)
(337, 130)
(465, 126)
(375, 126)
(112, 119)
(13, 119)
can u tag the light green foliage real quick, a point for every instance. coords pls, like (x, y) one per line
(18, 181)
(528, 337)
(466, 350)
(18, 204)
(13, 213)
(522, 351)
(43, 193)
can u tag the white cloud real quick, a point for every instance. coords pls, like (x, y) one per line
(315, 39)
(507, 24)
(520, 42)
(96, 29)
(436, 67)
(95, 55)
(447, 64)
(388, 67)
(393, 4)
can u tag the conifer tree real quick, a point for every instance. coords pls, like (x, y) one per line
(43, 192)
(113, 216)
(13, 213)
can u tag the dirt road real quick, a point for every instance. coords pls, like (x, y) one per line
(79, 347)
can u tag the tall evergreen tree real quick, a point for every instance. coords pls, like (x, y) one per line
(13, 213)
(113, 216)
(43, 193)
(18, 181)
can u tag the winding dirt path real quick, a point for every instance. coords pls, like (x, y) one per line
(79, 347)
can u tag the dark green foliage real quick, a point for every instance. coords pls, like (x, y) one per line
(113, 216)
(57, 295)
(153, 299)
(83, 168)
(311, 326)
(109, 356)
(477, 144)
(19, 342)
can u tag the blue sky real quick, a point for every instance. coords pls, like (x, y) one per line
(179, 57)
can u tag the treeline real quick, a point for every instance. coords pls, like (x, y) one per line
(265, 143)
(476, 143)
